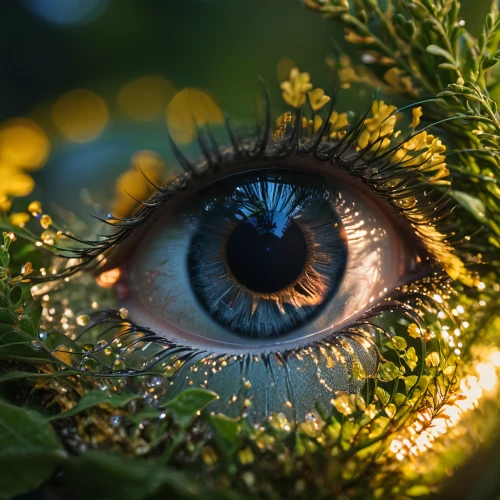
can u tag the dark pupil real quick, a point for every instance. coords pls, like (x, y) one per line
(267, 252)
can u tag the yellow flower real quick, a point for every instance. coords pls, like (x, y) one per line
(356, 39)
(14, 181)
(399, 81)
(381, 124)
(339, 122)
(296, 88)
(416, 114)
(318, 99)
(315, 124)
(429, 157)
(35, 208)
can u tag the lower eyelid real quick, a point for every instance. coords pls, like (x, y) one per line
(290, 382)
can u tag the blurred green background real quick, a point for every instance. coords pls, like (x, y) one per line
(51, 47)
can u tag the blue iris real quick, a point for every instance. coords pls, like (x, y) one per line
(269, 251)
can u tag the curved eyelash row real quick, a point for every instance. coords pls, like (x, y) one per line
(394, 181)
(111, 331)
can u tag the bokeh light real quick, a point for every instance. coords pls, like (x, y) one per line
(188, 108)
(132, 183)
(145, 98)
(14, 182)
(67, 11)
(81, 115)
(23, 144)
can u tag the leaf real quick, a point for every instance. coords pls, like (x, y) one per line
(95, 398)
(382, 395)
(473, 205)
(100, 475)
(24, 470)
(225, 427)
(27, 326)
(24, 352)
(150, 412)
(418, 490)
(399, 343)
(186, 405)
(390, 410)
(411, 358)
(20, 428)
(432, 359)
(19, 375)
(4, 258)
(410, 381)
(29, 450)
(399, 399)
(448, 66)
(387, 371)
(7, 317)
(436, 50)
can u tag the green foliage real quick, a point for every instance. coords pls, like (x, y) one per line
(422, 50)
(30, 450)
(120, 478)
(95, 398)
(185, 406)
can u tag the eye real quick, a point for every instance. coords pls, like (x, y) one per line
(269, 258)
(274, 271)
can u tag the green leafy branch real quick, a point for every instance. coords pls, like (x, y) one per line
(422, 49)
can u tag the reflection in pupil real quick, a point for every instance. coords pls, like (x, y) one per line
(267, 252)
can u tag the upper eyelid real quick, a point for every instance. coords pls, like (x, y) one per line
(356, 163)
(234, 168)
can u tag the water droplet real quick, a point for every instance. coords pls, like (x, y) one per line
(88, 364)
(88, 347)
(119, 364)
(115, 420)
(101, 343)
(82, 319)
(35, 344)
(42, 336)
(156, 381)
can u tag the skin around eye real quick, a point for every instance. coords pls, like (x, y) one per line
(214, 274)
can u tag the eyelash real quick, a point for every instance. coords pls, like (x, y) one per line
(362, 164)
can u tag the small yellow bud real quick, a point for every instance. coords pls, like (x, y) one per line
(27, 269)
(35, 208)
(46, 221)
(5, 204)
